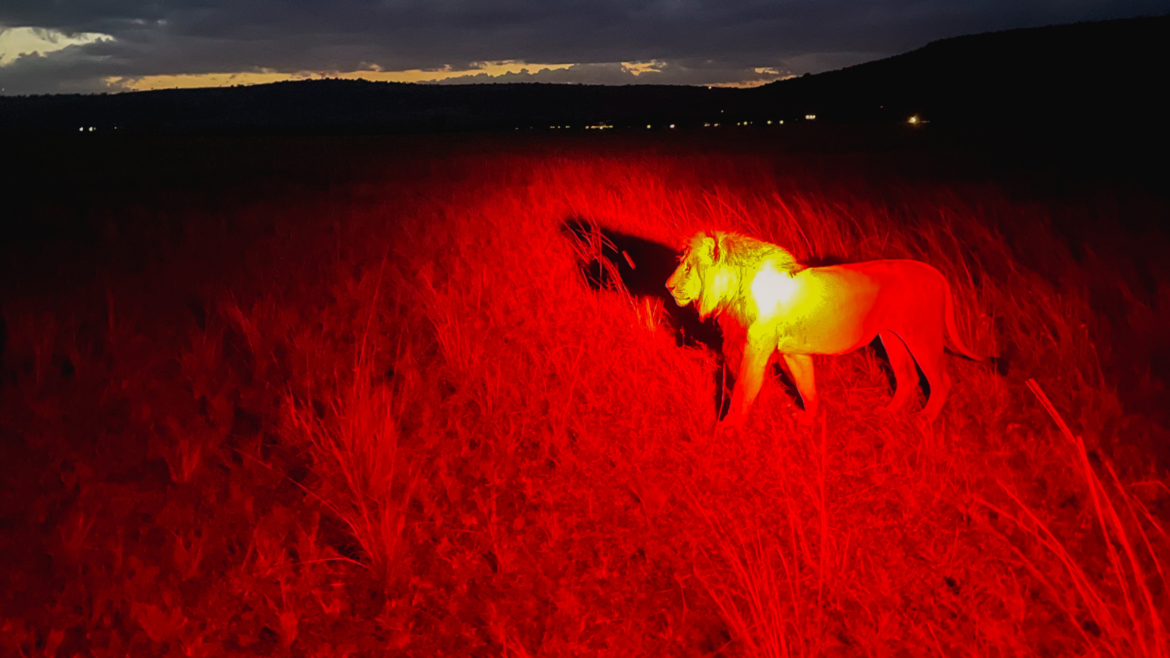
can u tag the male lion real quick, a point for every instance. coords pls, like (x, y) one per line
(772, 303)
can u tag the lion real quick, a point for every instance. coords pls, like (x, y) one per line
(769, 302)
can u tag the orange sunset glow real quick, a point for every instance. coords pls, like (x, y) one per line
(490, 69)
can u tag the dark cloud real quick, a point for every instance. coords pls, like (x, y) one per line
(730, 38)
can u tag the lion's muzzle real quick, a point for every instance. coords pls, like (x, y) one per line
(680, 297)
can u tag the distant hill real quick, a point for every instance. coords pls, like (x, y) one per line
(1110, 71)
(1103, 73)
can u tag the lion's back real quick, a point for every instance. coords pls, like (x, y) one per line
(883, 294)
(896, 278)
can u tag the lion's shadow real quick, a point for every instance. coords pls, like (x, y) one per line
(612, 260)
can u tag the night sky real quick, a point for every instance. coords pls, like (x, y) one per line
(50, 46)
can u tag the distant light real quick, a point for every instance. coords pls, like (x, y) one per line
(810, 117)
(914, 120)
(91, 129)
(716, 125)
(769, 122)
(672, 125)
(647, 126)
(82, 129)
(707, 125)
(781, 122)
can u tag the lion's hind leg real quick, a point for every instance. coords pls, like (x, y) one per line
(905, 373)
(940, 386)
(928, 352)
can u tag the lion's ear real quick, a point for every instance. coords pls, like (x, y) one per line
(710, 245)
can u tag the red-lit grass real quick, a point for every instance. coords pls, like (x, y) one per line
(354, 440)
(1141, 632)
(404, 424)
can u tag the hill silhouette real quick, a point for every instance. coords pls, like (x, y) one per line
(1103, 73)
(1109, 71)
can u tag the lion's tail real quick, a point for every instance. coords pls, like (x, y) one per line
(957, 342)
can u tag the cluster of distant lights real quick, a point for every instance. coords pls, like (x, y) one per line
(650, 126)
(913, 120)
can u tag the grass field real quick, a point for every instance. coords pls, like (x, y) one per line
(356, 398)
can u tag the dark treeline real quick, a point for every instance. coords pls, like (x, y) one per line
(363, 106)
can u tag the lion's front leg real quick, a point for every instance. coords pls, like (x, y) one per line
(751, 379)
(800, 366)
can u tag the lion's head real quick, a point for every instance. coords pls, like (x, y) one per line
(713, 265)
(695, 278)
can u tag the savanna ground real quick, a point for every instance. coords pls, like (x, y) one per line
(354, 397)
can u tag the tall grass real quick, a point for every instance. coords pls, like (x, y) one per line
(528, 466)
(355, 440)
(1135, 625)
